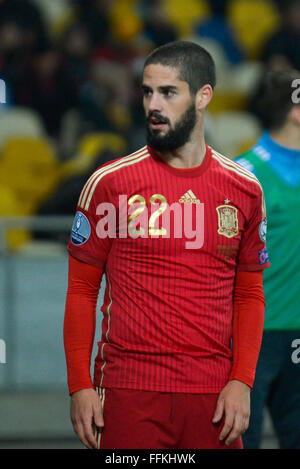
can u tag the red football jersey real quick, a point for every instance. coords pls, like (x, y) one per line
(170, 241)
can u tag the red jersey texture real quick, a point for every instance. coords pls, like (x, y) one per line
(168, 304)
(80, 318)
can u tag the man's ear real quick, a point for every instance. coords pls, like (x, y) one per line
(295, 115)
(203, 97)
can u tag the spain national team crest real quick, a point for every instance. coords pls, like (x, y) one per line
(228, 221)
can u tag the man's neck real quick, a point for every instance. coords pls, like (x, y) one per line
(288, 136)
(189, 156)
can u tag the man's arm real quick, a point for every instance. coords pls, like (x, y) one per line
(248, 318)
(79, 330)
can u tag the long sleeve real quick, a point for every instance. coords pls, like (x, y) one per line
(80, 321)
(248, 319)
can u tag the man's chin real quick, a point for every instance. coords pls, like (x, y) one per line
(159, 145)
(155, 139)
(158, 131)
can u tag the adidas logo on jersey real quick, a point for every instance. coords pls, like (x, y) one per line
(189, 198)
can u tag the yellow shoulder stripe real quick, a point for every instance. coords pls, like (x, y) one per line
(90, 186)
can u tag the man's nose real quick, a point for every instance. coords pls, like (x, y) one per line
(155, 103)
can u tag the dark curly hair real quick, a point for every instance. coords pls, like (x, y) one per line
(195, 64)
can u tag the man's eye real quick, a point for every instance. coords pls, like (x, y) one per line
(147, 93)
(169, 93)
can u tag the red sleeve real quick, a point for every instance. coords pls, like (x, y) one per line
(79, 323)
(93, 229)
(253, 254)
(248, 320)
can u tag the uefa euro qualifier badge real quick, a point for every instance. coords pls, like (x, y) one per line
(263, 230)
(81, 229)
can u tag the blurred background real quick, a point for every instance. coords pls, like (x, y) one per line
(72, 73)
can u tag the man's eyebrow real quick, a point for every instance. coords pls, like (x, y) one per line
(160, 88)
(167, 88)
(146, 88)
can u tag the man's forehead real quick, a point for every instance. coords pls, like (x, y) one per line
(162, 75)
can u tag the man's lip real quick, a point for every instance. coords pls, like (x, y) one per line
(157, 125)
(157, 120)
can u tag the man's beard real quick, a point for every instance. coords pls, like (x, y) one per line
(174, 138)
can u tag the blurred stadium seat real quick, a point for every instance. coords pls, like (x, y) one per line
(234, 83)
(245, 76)
(10, 205)
(56, 14)
(233, 131)
(125, 30)
(184, 15)
(89, 149)
(20, 121)
(254, 22)
(213, 47)
(227, 99)
(29, 167)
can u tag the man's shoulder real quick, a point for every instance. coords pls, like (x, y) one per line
(247, 161)
(254, 159)
(113, 167)
(233, 169)
(105, 178)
